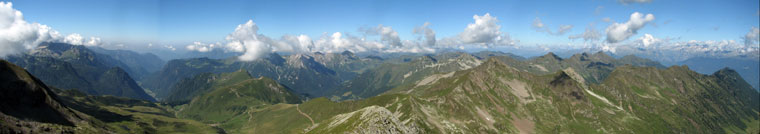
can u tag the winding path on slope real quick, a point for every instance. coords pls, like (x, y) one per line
(304, 114)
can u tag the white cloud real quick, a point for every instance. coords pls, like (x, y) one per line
(484, 31)
(338, 42)
(245, 39)
(387, 34)
(541, 27)
(300, 43)
(621, 31)
(16, 35)
(201, 47)
(752, 37)
(427, 32)
(94, 41)
(591, 34)
(74, 39)
(648, 40)
(668, 50)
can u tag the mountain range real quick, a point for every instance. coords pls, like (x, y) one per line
(68, 66)
(84, 90)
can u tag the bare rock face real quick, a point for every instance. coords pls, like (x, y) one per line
(368, 120)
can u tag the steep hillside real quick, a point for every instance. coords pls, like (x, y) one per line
(498, 98)
(390, 75)
(76, 67)
(592, 67)
(124, 115)
(748, 68)
(29, 106)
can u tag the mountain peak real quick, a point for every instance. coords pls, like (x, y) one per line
(726, 72)
(347, 53)
(602, 56)
(551, 56)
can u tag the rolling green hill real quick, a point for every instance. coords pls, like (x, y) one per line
(232, 96)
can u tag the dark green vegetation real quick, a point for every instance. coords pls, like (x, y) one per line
(486, 92)
(593, 67)
(76, 67)
(310, 75)
(29, 106)
(389, 75)
(232, 96)
(498, 98)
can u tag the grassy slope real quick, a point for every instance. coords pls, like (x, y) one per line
(123, 115)
(484, 100)
(231, 100)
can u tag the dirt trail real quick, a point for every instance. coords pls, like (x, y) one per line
(304, 114)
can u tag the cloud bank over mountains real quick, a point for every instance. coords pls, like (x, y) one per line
(484, 31)
(17, 35)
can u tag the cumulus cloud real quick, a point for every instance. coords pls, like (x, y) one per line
(621, 31)
(16, 35)
(74, 39)
(671, 50)
(338, 42)
(540, 27)
(648, 40)
(752, 37)
(387, 34)
(245, 39)
(591, 34)
(485, 31)
(428, 33)
(201, 47)
(94, 41)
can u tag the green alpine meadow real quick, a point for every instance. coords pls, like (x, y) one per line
(380, 67)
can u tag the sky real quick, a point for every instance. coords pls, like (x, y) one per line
(541, 23)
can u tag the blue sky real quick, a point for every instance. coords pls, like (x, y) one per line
(182, 22)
